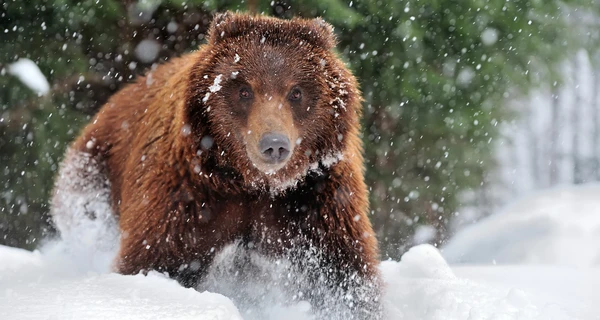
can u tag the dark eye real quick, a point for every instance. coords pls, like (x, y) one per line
(245, 93)
(295, 94)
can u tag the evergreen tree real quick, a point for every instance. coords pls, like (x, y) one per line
(436, 75)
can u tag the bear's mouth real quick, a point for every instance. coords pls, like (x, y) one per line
(290, 179)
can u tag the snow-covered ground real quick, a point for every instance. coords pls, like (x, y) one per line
(60, 282)
(559, 226)
(420, 286)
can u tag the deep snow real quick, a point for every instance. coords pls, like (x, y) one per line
(421, 286)
(560, 226)
(71, 279)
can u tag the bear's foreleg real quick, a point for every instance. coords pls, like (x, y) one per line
(343, 253)
(81, 206)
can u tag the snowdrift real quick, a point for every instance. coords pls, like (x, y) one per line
(36, 285)
(559, 226)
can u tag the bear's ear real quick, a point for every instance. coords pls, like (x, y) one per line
(223, 25)
(222, 17)
(323, 33)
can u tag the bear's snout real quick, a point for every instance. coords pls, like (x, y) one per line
(270, 131)
(274, 147)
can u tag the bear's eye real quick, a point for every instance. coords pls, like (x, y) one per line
(245, 93)
(295, 94)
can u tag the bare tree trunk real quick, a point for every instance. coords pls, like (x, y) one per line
(595, 117)
(533, 148)
(554, 135)
(576, 112)
(515, 163)
(485, 201)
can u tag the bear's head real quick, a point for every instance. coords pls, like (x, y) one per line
(271, 100)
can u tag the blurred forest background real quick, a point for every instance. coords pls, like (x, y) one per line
(469, 103)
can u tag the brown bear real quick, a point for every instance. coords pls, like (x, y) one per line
(253, 138)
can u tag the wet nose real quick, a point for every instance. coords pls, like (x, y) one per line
(275, 147)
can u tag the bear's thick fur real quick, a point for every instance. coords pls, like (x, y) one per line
(187, 159)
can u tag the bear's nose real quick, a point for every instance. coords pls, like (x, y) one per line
(275, 147)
